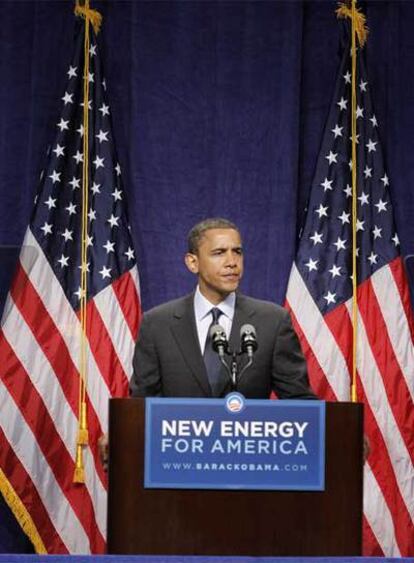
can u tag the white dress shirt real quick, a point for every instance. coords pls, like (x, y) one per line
(203, 316)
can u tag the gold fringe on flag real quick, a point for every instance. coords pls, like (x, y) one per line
(21, 514)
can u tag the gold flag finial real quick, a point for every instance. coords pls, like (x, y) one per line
(344, 11)
(84, 11)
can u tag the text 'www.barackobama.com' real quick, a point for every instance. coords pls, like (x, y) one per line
(181, 466)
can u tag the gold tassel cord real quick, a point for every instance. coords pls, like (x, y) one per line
(358, 20)
(93, 17)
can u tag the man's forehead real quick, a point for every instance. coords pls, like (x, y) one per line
(221, 237)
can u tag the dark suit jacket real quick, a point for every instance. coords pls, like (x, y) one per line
(168, 360)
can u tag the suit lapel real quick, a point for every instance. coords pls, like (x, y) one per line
(184, 329)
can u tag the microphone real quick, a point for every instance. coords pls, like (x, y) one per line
(219, 340)
(248, 340)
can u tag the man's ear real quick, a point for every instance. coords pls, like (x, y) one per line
(191, 261)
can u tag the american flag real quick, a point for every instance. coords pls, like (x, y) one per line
(40, 333)
(319, 296)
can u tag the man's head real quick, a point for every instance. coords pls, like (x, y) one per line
(215, 255)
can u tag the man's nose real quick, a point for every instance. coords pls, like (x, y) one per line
(231, 260)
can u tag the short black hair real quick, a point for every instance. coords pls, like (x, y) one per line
(197, 232)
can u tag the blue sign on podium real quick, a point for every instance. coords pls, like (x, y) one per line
(234, 443)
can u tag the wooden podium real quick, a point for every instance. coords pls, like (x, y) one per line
(222, 522)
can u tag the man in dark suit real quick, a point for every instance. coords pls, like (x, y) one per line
(170, 356)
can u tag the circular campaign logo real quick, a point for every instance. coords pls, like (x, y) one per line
(235, 402)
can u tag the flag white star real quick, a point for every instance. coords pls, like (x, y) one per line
(327, 185)
(129, 253)
(63, 261)
(385, 180)
(63, 124)
(340, 244)
(374, 121)
(89, 240)
(337, 131)
(348, 191)
(84, 267)
(113, 221)
(360, 225)
(104, 84)
(89, 104)
(78, 157)
(59, 151)
(367, 172)
(344, 218)
(356, 139)
(92, 214)
(105, 272)
(363, 86)
(347, 77)
(75, 183)
(55, 176)
(342, 103)
(331, 157)
(381, 205)
(372, 258)
(330, 297)
(371, 145)
(90, 77)
(50, 202)
(376, 231)
(118, 169)
(335, 271)
(67, 98)
(117, 194)
(322, 211)
(395, 240)
(364, 198)
(80, 130)
(359, 112)
(98, 162)
(316, 238)
(312, 265)
(47, 229)
(67, 235)
(72, 71)
(71, 209)
(109, 246)
(92, 50)
(104, 110)
(80, 293)
(95, 188)
(102, 136)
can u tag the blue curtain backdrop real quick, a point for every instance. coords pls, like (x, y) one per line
(218, 109)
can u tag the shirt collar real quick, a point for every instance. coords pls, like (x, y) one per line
(202, 306)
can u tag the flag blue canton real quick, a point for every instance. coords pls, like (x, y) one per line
(324, 256)
(57, 217)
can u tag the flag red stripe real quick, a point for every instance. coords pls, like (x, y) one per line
(370, 546)
(23, 485)
(398, 272)
(128, 298)
(383, 471)
(318, 381)
(104, 353)
(340, 324)
(32, 408)
(54, 347)
(394, 383)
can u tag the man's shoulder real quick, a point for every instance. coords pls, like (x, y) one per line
(169, 308)
(260, 306)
